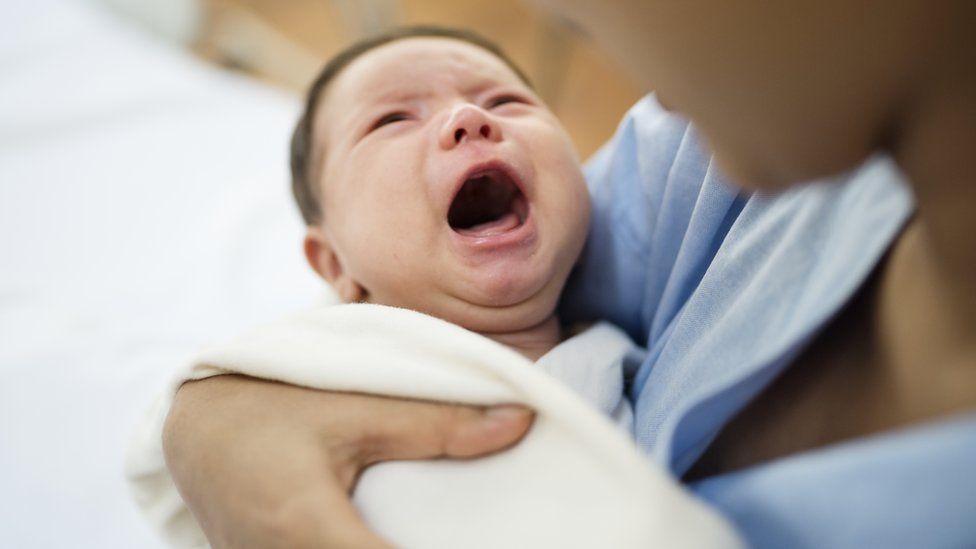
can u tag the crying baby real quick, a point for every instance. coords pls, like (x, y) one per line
(433, 178)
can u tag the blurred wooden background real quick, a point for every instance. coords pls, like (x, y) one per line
(286, 41)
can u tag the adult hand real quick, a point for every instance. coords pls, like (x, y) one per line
(264, 464)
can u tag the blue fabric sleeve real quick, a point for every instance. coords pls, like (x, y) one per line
(660, 211)
(908, 488)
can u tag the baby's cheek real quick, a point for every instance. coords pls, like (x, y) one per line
(565, 143)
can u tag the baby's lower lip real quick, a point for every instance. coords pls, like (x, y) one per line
(506, 233)
(503, 224)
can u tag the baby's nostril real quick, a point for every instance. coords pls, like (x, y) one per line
(458, 135)
(485, 131)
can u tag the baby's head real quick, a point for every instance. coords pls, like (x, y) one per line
(432, 177)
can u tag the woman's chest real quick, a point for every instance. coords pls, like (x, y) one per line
(831, 392)
(867, 371)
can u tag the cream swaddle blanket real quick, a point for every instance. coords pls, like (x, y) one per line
(575, 481)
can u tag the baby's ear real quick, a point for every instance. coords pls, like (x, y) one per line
(324, 260)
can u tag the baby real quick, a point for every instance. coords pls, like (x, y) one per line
(433, 178)
(446, 206)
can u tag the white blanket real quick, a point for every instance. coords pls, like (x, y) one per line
(576, 480)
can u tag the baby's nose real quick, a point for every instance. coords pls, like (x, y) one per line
(469, 122)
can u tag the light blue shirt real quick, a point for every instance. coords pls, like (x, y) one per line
(725, 290)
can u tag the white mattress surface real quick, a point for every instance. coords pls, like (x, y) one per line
(144, 210)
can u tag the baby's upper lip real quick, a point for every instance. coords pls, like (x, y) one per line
(481, 168)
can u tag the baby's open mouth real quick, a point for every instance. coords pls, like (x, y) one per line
(488, 203)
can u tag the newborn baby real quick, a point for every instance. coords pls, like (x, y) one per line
(446, 206)
(433, 178)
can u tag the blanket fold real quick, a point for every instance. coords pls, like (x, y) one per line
(575, 481)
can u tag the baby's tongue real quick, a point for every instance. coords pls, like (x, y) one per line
(504, 223)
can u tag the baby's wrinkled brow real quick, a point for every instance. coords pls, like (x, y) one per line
(400, 96)
(406, 95)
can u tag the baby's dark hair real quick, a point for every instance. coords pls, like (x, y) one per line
(303, 158)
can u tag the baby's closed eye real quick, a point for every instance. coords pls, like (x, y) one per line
(387, 119)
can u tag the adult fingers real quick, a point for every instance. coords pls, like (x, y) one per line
(400, 429)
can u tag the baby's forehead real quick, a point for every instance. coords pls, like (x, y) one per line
(416, 63)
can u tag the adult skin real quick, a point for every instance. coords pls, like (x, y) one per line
(783, 92)
(310, 446)
(787, 92)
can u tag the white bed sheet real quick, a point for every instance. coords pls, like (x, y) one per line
(144, 210)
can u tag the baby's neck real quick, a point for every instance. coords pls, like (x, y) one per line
(532, 342)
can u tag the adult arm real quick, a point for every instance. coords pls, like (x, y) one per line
(265, 464)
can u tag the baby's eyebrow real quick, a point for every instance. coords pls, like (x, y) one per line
(399, 96)
(406, 95)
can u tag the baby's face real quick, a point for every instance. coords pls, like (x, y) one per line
(447, 187)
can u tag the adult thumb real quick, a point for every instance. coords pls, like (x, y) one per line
(426, 430)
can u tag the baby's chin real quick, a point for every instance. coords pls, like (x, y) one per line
(499, 320)
(499, 316)
(503, 296)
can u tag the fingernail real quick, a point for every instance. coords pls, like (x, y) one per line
(505, 413)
